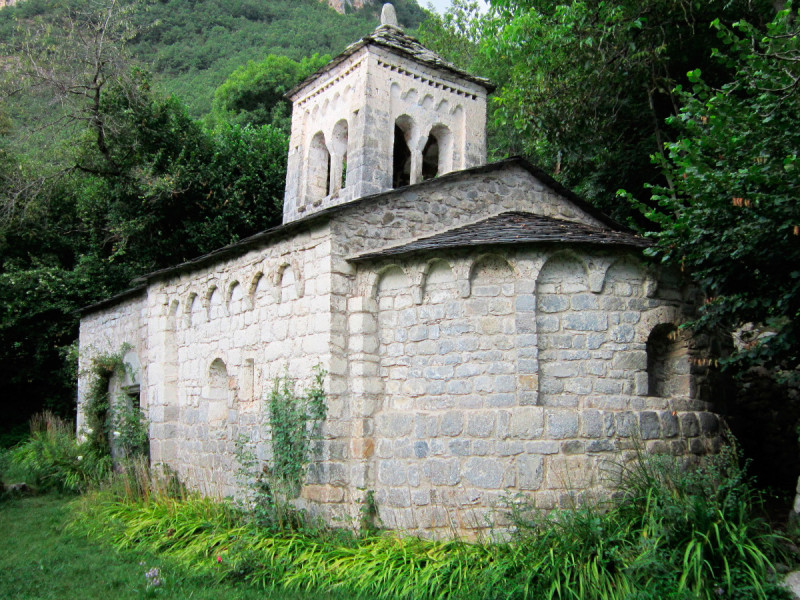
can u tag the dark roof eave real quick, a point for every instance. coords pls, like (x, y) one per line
(267, 236)
(467, 246)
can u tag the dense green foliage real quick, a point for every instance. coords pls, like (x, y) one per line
(731, 218)
(104, 178)
(52, 459)
(192, 46)
(585, 86)
(679, 533)
(254, 93)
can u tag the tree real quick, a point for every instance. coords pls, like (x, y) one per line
(137, 186)
(254, 93)
(586, 85)
(731, 219)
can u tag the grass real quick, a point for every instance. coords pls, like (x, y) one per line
(41, 560)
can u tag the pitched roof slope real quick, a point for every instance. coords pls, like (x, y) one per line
(394, 39)
(511, 228)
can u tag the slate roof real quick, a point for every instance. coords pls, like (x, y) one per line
(511, 228)
(397, 41)
(271, 235)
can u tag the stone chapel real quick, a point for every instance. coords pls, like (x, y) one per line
(485, 331)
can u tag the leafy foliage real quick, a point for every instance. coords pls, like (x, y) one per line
(52, 459)
(254, 93)
(295, 419)
(731, 219)
(97, 407)
(678, 534)
(586, 85)
(142, 186)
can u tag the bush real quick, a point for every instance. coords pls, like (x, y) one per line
(52, 459)
(679, 532)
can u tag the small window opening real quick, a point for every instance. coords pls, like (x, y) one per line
(430, 158)
(133, 396)
(401, 173)
(667, 362)
(344, 171)
(328, 177)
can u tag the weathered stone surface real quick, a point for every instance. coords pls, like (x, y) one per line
(456, 375)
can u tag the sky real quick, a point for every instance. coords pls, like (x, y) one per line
(441, 5)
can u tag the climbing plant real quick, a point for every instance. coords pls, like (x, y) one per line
(295, 420)
(97, 407)
(108, 417)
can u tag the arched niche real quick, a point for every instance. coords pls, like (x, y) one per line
(668, 364)
(217, 391)
(318, 169)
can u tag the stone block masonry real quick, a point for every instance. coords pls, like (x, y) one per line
(486, 332)
(496, 373)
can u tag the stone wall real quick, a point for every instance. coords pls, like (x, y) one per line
(331, 122)
(480, 376)
(456, 378)
(107, 332)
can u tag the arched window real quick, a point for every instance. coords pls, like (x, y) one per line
(668, 370)
(319, 169)
(430, 158)
(437, 156)
(339, 159)
(401, 158)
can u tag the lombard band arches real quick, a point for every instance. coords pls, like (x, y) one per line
(193, 309)
(562, 327)
(234, 299)
(214, 303)
(438, 278)
(288, 282)
(252, 289)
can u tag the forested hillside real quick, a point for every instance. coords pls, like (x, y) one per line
(104, 175)
(191, 46)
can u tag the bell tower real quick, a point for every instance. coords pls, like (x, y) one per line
(384, 114)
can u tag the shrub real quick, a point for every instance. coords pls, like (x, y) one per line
(679, 533)
(53, 459)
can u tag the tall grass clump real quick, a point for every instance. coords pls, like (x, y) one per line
(677, 532)
(53, 459)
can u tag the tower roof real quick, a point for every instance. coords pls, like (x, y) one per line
(394, 39)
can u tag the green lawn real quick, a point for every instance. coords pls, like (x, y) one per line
(39, 560)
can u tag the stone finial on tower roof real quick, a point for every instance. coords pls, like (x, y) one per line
(389, 16)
